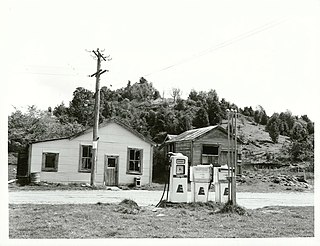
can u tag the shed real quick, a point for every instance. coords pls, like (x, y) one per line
(207, 145)
(123, 155)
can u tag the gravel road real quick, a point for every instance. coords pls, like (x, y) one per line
(149, 198)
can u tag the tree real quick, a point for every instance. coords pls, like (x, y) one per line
(248, 111)
(288, 120)
(260, 116)
(310, 124)
(299, 132)
(201, 118)
(213, 108)
(302, 150)
(274, 132)
(181, 105)
(36, 125)
(272, 127)
(81, 107)
(224, 105)
(193, 95)
(176, 94)
(62, 113)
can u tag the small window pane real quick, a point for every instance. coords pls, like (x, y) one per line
(86, 151)
(131, 165)
(111, 162)
(132, 154)
(50, 160)
(210, 150)
(137, 155)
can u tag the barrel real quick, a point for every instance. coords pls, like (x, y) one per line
(35, 178)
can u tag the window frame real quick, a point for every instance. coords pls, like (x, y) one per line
(128, 161)
(209, 156)
(81, 169)
(56, 162)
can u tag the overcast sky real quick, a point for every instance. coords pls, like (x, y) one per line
(251, 52)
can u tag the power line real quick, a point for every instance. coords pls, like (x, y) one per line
(53, 74)
(223, 44)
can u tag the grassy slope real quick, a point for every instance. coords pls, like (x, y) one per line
(108, 221)
(258, 138)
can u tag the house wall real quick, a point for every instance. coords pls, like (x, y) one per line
(215, 137)
(184, 147)
(113, 140)
(193, 149)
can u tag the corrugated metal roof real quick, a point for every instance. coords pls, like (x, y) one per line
(171, 136)
(192, 134)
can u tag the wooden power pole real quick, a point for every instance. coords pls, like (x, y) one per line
(96, 114)
(232, 155)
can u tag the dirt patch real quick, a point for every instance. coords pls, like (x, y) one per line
(128, 206)
(229, 208)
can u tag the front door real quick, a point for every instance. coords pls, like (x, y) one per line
(111, 170)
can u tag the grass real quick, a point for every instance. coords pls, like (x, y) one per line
(127, 220)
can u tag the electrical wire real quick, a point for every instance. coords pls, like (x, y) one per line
(223, 44)
(164, 189)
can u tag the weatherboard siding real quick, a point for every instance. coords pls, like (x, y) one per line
(184, 147)
(113, 140)
(214, 137)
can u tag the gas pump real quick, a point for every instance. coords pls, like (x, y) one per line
(201, 177)
(221, 184)
(178, 181)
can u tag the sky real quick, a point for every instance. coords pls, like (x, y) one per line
(251, 52)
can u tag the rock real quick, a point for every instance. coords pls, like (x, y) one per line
(276, 180)
(301, 179)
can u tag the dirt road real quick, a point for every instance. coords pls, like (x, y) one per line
(147, 198)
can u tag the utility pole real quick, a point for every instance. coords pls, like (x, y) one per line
(234, 192)
(96, 114)
(232, 155)
(228, 157)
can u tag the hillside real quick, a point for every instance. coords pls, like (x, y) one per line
(258, 147)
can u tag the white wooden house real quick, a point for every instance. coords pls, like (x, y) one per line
(123, 155)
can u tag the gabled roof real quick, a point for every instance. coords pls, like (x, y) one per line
(193, 134)
(112, 120)
(197, 133)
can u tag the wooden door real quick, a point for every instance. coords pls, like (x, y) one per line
(111, 170)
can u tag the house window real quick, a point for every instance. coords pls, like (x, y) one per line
(85, 158)
(134, 161)
(210, 154)
(50, 162)
(171, 147)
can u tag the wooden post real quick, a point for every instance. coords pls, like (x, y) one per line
(96, 121)
(234, 200)
(228, 158)
(96, 115)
